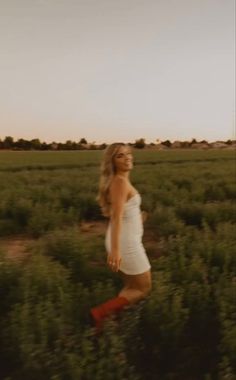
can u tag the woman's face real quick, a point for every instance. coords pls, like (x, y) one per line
(123, 159)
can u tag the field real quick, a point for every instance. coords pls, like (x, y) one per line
(53, 269)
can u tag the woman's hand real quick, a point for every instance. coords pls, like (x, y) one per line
(113, 261)
(144, 216)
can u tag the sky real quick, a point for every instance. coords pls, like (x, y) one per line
(117, 70)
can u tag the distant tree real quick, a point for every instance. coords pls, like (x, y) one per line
(194, 141)
(83, 141)
(8, 142)
(229, 142)
(167, 143)
(74, 145)
(103, 146)
(140, 143)
(45, 146)
(35, 144)
(69, 145)
(61, 146)
(19, 144)
(203, 142)
(93, 146)
(23, 144)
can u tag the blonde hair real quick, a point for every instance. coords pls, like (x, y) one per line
(107, 170)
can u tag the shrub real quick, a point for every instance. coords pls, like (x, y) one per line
(190, 214)
(46, 332)
(164, 222)
(66, 247)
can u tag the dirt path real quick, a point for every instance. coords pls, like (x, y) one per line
(17, 247)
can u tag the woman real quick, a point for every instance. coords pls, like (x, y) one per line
(120, 201)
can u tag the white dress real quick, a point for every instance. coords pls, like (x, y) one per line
(133, 256)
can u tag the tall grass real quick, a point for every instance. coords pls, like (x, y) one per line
(184, 330)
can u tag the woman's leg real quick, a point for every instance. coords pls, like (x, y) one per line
(136, 287)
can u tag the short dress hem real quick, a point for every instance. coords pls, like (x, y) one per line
(133, 274)
(133, 255)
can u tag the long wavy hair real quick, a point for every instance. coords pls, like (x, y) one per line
(107, 172)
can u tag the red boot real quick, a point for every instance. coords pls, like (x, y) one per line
(100, 312)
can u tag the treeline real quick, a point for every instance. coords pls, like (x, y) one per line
(35, 144)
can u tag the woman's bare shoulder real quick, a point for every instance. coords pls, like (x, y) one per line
(119, 184)
(118, 181)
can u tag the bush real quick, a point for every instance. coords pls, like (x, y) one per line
(66, 247)
(190, 214)
(46, 332)
(164, 222)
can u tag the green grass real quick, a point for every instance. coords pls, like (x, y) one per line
(184, 330)
(48, 159)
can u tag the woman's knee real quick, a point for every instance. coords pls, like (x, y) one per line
(142, 284)
(146, 288)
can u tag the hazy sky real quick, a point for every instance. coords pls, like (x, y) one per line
(117, 70)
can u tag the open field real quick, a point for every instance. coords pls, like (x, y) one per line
(40, 159)
(53, 268)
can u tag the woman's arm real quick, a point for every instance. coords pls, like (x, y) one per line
(144, 216)
(119, 191)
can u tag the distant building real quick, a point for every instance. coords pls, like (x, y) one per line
(161, 146)
(200, 145)
(219, 145)
(176, 144)
(54, 146)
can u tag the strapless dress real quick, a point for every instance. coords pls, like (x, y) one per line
(133, 255)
